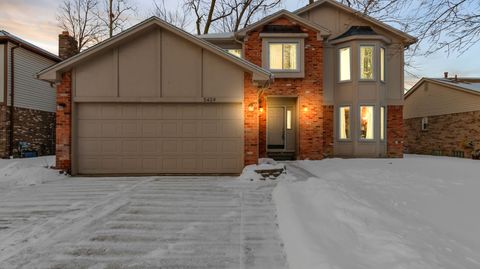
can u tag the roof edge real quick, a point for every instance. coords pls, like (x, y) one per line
(424, 79)
(409, 38)
(29, 46)
(267, 75)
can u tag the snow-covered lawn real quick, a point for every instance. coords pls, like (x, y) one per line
(417, 212)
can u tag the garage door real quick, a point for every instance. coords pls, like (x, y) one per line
(159, 138)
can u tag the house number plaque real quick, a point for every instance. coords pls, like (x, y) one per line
(209, 99)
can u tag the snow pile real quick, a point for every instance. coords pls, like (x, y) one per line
(417, 212)
(249, 173)
(26, 172)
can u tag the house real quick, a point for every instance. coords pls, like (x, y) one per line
(27, 105)
(321, 81)
(442, 117)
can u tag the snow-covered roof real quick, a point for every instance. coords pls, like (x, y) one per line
(15, 39)
(226, 35)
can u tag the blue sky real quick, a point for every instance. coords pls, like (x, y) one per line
(34, 21)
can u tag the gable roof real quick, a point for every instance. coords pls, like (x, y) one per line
(284, 13)
(51, 73)
(470, 85)
(6, 36)
(408, 38)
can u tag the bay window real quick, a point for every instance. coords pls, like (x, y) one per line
(344, 126)
(344, 63)
(366, 62)
(283, 56)
(366, 123)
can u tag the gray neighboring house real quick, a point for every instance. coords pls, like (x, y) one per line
(27, 105)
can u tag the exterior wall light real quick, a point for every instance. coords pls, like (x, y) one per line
(261, 110)
(305, 109)
(251, 107)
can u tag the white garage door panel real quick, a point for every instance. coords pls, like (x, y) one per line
(159, 138)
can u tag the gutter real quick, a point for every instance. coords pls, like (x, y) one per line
(12, 98)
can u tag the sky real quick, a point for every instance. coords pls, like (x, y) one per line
(35, 21)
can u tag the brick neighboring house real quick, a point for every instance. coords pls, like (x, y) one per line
(442, 117)
(321, 81)
(30, 115)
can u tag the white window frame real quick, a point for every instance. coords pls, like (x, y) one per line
(360, 62)
(383, 64)
(359, 129)
(283, 43)
(349, 125)
(340, 65)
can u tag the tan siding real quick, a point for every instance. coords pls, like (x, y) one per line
(139, 66)
(431, 99)
(30, 92)
(96, 77)
(221, 78)
(181, 66)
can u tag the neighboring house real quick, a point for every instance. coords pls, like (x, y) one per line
(442, 117)
(27, 121)
(321, 81)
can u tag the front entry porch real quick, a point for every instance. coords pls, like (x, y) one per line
(281, 128)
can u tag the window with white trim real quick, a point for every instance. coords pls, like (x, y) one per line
(283, 56)
(344, 64)
(344, 123)
(367, 123)
(366, 62)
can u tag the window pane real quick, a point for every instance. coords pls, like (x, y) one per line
(366, 122)
(236, 52)
(275, 54)
(382, 123)
(366, 62)
(290, 56)
(289, 119)
(344, 122)
(382, 64)
(344, 64)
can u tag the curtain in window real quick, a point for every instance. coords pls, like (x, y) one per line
(345, 122)
(366, 122)
(276, 54)
(290, 56)
(344, 64)
(366, 62)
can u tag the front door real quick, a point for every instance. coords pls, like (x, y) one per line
(281, 124)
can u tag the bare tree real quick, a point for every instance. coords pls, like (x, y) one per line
(246, 11)
(114, 15)
(78, 18)
(209, 12)
(177, 17)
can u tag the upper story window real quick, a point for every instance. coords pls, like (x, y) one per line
(366, 62)
(382, 64)
(236, 52)
(344, 58)
(283, 56)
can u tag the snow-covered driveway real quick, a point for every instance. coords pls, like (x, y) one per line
(154, 222)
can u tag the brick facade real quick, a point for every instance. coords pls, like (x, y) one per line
(395, 132)
(308, 90)
(35, 127)
(328, 123)
(250, 122)
(445, 134)
(64, 123)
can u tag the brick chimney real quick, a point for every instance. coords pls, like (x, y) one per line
(67, 45)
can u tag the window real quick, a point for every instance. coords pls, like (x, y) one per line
(382, 123)
(366, 62)
(344, 64)
(366, 122)
(289, 119)
(382, 64)
(344, 123)
(425, 124)
(236, 52)
(283, 56)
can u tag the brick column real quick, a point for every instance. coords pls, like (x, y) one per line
(328, 123)
(64, 123)
(395, 132)
(251, 122)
